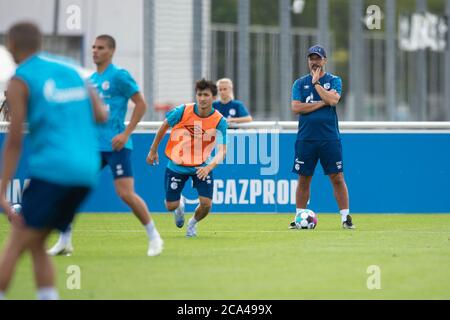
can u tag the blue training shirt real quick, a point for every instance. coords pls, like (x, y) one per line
(115, 86)
(62, 129)
(321, 124)
(232, 109)
(173, 117)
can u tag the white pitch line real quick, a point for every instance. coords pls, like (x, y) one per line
(259, 231)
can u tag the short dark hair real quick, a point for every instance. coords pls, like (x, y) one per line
(25, 36)
(109, 39)
(204, 84)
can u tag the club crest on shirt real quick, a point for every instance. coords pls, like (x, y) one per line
(105, 85)
(327, 86)
(232, 112)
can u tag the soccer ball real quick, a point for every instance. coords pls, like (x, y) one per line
(17, 208)
(306, 219)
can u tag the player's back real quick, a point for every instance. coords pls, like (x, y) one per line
(62, 136)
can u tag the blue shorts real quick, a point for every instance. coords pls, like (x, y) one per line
(307, 153)
(47, 206)
(119, 162)
(174, 183)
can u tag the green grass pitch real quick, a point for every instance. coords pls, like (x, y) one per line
(243, 256)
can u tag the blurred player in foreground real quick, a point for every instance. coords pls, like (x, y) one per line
(196, 129)
(61, 110)
(116, 87)
(314, 98)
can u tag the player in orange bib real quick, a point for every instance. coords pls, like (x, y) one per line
(196, 130)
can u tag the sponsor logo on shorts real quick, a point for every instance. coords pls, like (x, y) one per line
(339, 165)
(174, 186)
(173, 179)
(298, 163)
(119, 170)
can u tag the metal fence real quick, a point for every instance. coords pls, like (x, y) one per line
(382, 81)
(374, 107)
(265, 91)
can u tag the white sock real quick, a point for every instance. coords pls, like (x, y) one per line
(344, 214)
(151, 230)
(48, 293)
(66, 237)
(299, 210)
(2, 295)
(192, 221)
